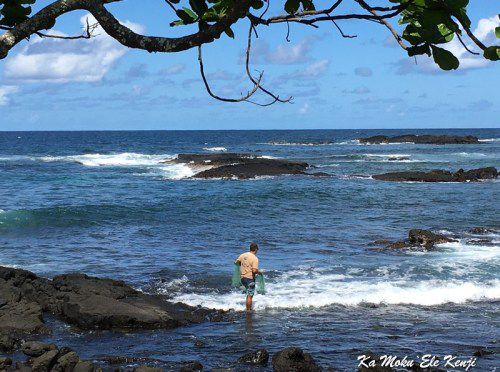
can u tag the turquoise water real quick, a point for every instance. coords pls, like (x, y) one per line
(101, 203)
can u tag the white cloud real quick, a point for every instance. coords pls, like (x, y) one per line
(174, 69)
(61, 61)
(305, 109)
(286, 54)
(5, 91)
(485, 32)
(363, 71)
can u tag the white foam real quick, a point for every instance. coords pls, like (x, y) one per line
(324, 290)
(215, 149)
(110, 160)
(471, 154)
(490, 140)
(472, 253)
(176, 171)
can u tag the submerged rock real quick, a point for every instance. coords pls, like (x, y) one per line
(36, 348)
(422, 139)
(192, 366)
(482, 230)
(472, 175)
(241, 166)
(258, 357)
(294, 359)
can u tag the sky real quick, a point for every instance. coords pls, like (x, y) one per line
(336, 82)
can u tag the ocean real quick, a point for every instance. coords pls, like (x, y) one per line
(103, 204)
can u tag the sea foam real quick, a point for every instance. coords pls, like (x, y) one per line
(326, 290)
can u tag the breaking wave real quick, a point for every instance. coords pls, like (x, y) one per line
(325, 290)
(215, 149)
(153, 164)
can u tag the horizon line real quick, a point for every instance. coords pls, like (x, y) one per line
(227, 130)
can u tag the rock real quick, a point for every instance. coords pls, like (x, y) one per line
(8, 343)
(484, 352)
(87, 302)
(5, 362)
(427, 238)
(258, 357)
(398, 158)
(294, 359)
(148, 369)
(398, 245)
(36, 348)
(241, 166)
(482, 230)
(44, 362)
(21, 317)
(422, 139)
(473, 175)
(66, 362)
(254, 168)
(192, 366)
(320, 174)
(84, 367)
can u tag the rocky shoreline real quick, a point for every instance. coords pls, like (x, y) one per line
(240, 166)
(421, 139)
(473, 175)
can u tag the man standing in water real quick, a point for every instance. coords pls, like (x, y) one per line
(249, 267)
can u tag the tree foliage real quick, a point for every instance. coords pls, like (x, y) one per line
(421, 27)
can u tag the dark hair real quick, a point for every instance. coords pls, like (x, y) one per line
(254, 247)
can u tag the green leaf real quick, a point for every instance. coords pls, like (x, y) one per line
(291, 6)
(418, 50)
(492, 53)
(199, 6)
(497, 32)
(229, 32)
(444, 58)
(187, 15)
(257, 4)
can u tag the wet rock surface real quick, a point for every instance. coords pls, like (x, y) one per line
(416, 238)
(294, 359)
(86, 302)
(257, 357)
(421, 139)
(240, 166)
(473, 175)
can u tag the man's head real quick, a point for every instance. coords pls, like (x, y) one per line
(254, 248)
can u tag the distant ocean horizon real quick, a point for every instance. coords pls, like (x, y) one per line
(104, 203)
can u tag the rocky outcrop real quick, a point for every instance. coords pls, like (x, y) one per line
(87, 302)
(257, 357)
(427, 238)
(421, 139)
(294, 359)
(240, 166)
(473, 175)
(416, 238)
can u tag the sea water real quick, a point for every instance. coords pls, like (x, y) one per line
(105, 204)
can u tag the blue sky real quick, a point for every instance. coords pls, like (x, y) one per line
(365, 82)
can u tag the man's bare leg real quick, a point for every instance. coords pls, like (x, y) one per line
(249, 303)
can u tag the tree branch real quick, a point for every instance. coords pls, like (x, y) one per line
(46, 18)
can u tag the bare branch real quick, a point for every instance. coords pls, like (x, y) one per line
(384, 22)
(207, 86)
(465, 46)
(275, 98)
